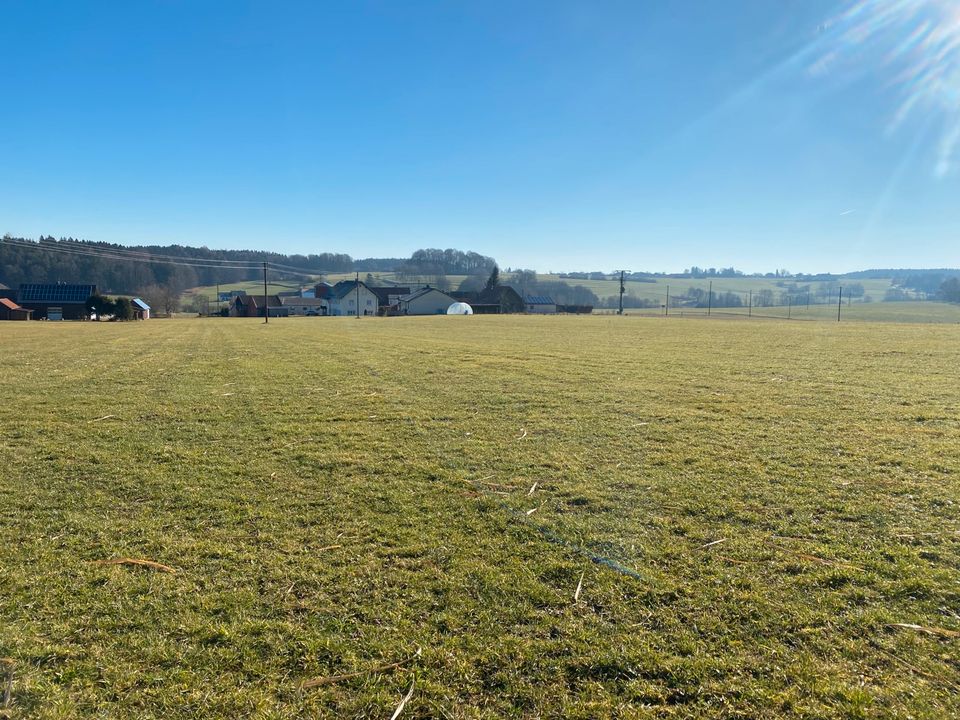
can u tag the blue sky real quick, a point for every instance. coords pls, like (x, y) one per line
(554, 135)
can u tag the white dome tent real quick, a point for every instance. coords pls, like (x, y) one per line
(459, 308)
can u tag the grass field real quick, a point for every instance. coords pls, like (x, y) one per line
(903, 312)
(578, 517)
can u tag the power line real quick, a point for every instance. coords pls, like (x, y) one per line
(106, 254)
(118, 251)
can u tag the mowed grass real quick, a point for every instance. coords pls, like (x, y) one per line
(752, 511)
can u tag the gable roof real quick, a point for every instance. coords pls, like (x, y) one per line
(297, 300)
(140, 304)
(10, 304)
(383, 293)
(55, 293)
(421, 292)
(540, 300)
(345, 287)
(257, 300)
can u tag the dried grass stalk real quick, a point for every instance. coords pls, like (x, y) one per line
(938, 631)
(136, 561)
(711, 544)
(330, 679)
(396, 713)
(576, 595)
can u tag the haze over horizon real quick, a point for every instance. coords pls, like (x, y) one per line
(811, 135)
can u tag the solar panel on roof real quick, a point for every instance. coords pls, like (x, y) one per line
(55, 292)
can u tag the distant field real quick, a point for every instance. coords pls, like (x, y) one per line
(905, 312)
(577, 517)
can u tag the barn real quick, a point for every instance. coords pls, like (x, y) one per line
(252, 306)
(141, 311)
(56, 301)
(426, 301)
(9, 310)
(541, 305)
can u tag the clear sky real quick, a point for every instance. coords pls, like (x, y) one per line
(594, 135)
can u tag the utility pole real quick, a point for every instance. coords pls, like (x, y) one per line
(788, 307)
(358, 294)
(710, 299)
(266, 307)
(750, 305)
(839, 304)
(622, 290)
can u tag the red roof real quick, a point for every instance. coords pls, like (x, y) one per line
(9, 304)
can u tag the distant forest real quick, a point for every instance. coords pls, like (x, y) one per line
(119, 269)
(178, 267)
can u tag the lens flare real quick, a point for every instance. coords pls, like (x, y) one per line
(917, 42)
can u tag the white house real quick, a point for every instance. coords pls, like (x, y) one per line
(426, 301)
(540, 304)
(346, 299)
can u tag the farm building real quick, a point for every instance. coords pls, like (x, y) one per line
(346, 296)
(387, 297)
(541, 305)
(252, 306)
(304, 305)
(426, 301)
(501, 299)
(56, 301)
(9, 310)
(575, 309)
(141, 311)
(322, 290)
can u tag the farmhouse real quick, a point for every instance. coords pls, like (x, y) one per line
(9, 310)
(426, 301)
(349, 295)
(304, 305)
(252, 306)
(541, 305)
(56, 301)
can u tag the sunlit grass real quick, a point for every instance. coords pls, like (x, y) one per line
(752, 508)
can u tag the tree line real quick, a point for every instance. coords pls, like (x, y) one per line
(49, 260)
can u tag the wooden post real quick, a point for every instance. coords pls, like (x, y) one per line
(266, 307)
(839, 304)
(620, 312)
(710, 299)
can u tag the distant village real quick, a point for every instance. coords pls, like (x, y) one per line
(63, 301)
(357, 298)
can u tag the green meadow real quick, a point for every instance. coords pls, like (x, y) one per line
(556, 517)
